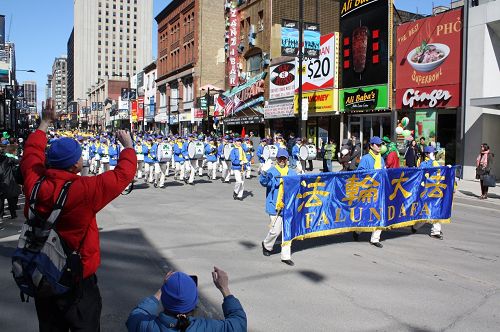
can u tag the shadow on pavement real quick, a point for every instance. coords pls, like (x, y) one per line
(131, 269)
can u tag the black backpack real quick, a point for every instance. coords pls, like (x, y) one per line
(42, 264)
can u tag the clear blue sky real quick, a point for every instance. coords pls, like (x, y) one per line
(40, 31)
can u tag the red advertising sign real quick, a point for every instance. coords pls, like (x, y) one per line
(233, 40)
(133, 112)
(140, 109)
(428, 62)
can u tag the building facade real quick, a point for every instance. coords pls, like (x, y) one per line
(102, 99)
(59, 83)
(482, 92)
(149, 87)
(30, 95)
(110, 39)
(190, 56)
(7, 78)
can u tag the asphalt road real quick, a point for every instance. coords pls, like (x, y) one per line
(415, 283)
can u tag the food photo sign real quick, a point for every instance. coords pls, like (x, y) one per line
(366, 43)
(428, 62)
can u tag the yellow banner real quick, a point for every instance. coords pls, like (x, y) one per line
(319, 101)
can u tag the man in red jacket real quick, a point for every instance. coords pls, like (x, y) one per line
(77, 222)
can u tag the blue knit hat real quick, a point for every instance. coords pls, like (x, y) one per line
(179, 294)
(282, 153)
(64, 153)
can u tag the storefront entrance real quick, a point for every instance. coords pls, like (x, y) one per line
(367, 125)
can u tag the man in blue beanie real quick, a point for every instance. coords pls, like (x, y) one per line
(179, 297)
(79, 309)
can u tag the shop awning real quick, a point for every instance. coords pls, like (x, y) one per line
(487, 102)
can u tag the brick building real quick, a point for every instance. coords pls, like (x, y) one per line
(190, 56)
(101, 99)
(259, 47)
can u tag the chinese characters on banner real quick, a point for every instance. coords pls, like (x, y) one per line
(234, 37)
(332, 203)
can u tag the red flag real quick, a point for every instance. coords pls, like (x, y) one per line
(243, 133)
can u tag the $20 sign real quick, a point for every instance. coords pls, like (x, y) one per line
(321, 73)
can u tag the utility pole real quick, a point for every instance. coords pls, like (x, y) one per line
(302, 123)
(168, 133)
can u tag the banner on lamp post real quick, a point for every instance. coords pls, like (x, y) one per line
(305, 108)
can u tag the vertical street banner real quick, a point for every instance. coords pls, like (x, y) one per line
(428, 62)
(332, 203)
(140, 109)
(133, 112)
(311, 40)
(289, 38)
(234, 39)
(366, 28)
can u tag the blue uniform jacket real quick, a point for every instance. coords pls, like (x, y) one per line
(235, 159)
(149, 154)
(367, 162)
(178, 158)
(271, 180)
(144, 318)
(101, 151)
(92, 151)
(185, 152)
(259, 152)
(428, 163)
(211, 156)
(220, 151)
(296, 152)
(114, 152)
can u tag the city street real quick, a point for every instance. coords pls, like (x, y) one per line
(415, 283)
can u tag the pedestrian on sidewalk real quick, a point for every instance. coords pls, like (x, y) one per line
(79, 309)
(9, 188)
(484, 163)
(330, 150)
(179, 297)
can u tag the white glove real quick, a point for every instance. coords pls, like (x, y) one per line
(267, 165)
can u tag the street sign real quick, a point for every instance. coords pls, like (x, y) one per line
(202, 103)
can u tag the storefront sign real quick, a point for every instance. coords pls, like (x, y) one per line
(321, 73)
(140, 108)
(366, 35)
(289, 38)
(280, 110)
(320, 101)
(364, 99)
(234, 38)
(133, 113)
(197, 113)
(428, 57)
(244, 120)
(281, 80)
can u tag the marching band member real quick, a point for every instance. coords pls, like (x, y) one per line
(260, 151)
(211, 157)
(191, 164)
(164, 157)
(280, 142)
(249, 153)
(149, 162)
(238, 161)
(202, 161)
(156, 164)
(299, 164)
(271, 178)
(226, 164)
(179, 159)
(97, 158)
(103, 153)
(85, 155)
(139, 148)
(372, 160)
(429, 161)
(114, 153)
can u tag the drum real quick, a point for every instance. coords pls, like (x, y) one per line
(307, 152)
(227, 150)
(164, 152)
(195, 150)
(270, 152)
(105, 159)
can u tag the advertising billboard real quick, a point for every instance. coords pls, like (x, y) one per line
(321, 73)
(282, 80)
(428, 62)
(319, 101)
(233, 40)
(365, 98)
(366, 38)
(289, 38)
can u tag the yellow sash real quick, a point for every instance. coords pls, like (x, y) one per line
(378, 160)
(243, 157)
(279, 200)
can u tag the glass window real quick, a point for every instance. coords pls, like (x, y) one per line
(253, 64)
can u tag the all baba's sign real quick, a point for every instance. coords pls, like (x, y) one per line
(428, 62)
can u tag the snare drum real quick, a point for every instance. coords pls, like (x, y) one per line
(227, 151)
(195, 150)
(270, 152)
(164, 152)
(307, 152)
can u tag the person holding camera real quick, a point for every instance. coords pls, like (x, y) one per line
(77, 225)
(179, 296)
